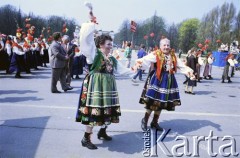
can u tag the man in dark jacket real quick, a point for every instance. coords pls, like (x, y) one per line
(58, 63)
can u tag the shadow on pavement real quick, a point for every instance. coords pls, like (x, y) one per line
(132, 142)
(19, 99)
(204, 92)
(128, 143)
(73, 91)
(16, 91)
(21, 137)
(182, 126)
(35, 77)
(38, 73)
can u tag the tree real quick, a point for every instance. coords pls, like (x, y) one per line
(227, 16)
(124, 33)
(209, 28)
(237, 27)
(188, 34)
(10, 19)
(155, 25)
(8, 16)
(173, 36)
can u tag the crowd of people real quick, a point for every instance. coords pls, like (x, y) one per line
(201, 62)
(18, 55)
(99, 103)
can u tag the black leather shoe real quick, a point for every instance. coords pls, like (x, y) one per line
(103, 135)
(69, 88)
(156, 126)
(18, 76)
(86, 142)
(56, 91)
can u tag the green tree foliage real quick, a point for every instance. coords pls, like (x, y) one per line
(155, 25)
(188, 34)
(11, 18)
(220, 23)
(227, 15)
(172, 34)
(237, 28)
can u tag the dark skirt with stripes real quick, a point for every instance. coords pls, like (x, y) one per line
(160, 94)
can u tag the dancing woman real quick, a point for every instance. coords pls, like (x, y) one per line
(161, 88)
(99, 101)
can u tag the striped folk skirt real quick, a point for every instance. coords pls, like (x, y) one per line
(99, 101)
(160, 94)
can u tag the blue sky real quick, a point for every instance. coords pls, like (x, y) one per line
(111, 13)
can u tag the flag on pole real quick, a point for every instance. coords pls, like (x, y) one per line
(133, 26)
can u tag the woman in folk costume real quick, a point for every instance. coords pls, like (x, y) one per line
(36, 54)
(44, 52)
(161, 88)
(191, 79)
(8, 49)
(17, 62)
(99, 101)
(208, 67)
(78, 63)
(230, 63)
(27, 56)
(199, 64)
(4, 64)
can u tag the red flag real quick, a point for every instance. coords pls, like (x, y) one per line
(133, 26)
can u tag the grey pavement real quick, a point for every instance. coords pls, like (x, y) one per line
(36, 123)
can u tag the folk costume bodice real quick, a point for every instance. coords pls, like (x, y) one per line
(166, 62)
(103, 64)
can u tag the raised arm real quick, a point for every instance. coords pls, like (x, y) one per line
(87, 44)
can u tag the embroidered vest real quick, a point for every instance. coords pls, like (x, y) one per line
(161, 61)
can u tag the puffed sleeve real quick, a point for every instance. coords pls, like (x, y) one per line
(210, 60)
(147, 60)
(8, 47)
(200, 60)
(122, 70)
(18, 51)
(87, 44)
(232, 62)
(183, 68)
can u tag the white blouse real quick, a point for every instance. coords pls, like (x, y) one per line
(9, 47)
(210, 60)
(88, 48)
(232, 62)
(18, 51)
(151, 58)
